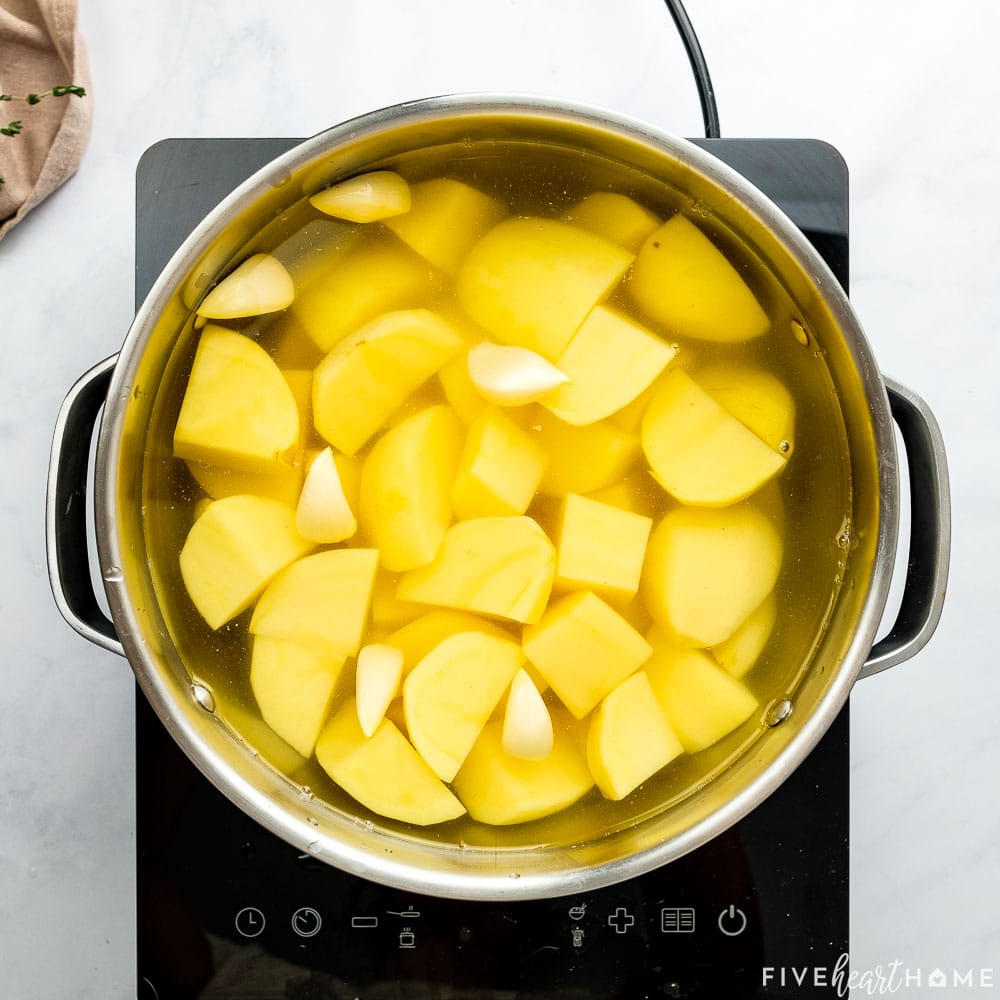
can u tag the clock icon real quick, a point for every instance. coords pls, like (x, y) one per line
(306, 922)
(249, 922)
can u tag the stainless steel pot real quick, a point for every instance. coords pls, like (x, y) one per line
(233, 751)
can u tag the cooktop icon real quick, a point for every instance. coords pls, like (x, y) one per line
(249, 922)
(306, 922)
(732, 921)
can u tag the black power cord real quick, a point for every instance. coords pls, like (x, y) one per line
(706, 93)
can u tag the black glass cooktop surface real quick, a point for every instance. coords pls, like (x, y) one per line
(226, 911)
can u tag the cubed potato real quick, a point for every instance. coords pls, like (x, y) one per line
(219, 482)
(738, 654)
(501, 789)
(582, 459)
(259, 285)
(406, 485)
(707, 570)
(320, 600)
(451, 693)
(418, 637)
(384, 773)
(698, 452)
(757, 399)
(499, 566)
(294, 686)
(531, 282)
(600, 548)
(638, 492)
(388, 611)
(683, 281)
(500, 469)
(370, 374)
(232, 552)
(629, 739)
(459, 390)
(584, 649)
(446, 219)
(238, 412)
(367, 197)
(616, 217)
(610, 361)
(700, 700)
(376, 277)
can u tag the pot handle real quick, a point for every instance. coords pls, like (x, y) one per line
(66, 509)
(930, 533)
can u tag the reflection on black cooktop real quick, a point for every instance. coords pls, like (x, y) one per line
(229, 912)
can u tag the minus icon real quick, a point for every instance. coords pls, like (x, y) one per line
(364, 922)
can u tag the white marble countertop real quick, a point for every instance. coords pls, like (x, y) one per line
(908, 95)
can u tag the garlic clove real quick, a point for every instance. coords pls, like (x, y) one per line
(379, 672)
(527, 725)
(512, 376)
(323, 513)
(259, 285)
(369, 197)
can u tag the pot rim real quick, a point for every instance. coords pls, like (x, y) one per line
(383, 868)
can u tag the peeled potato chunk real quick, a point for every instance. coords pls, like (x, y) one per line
(499, 566)
(378, 277)
(259, 285)
(629, 739)
(370, 374)
(418, 637)
(616, 217)
(320, 600)
(369, 197)
(531, 282)
(683, 281)
(737, 654)
(238, 411)
(500, 469)
(584, 649)
(502, 789)
(698, 452)
(582, 459)
(757, 399)
(701, 701)
(384, 773)
(445, 220)
(405, 487)
(527, 725)
(600, 547)
(451, 693)
(609, 362)
(707, 570)
(294, 685)
(233, 550)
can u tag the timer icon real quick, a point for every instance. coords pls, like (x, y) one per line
(306, 922)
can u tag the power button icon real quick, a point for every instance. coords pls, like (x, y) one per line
(732, 921)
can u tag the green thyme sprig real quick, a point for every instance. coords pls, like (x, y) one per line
(16, 127)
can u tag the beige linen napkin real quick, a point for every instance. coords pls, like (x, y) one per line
(40, 48)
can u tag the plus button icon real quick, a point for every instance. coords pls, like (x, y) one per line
(621, 920)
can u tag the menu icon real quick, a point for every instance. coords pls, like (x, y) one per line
(677, 920)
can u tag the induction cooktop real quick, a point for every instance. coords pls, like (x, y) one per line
(226, 911)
